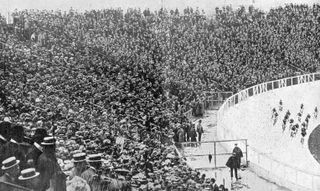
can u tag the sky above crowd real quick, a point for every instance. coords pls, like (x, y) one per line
(207, 5)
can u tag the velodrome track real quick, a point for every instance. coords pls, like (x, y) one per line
(251, 119)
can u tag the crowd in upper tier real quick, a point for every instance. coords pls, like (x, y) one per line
(104, 74)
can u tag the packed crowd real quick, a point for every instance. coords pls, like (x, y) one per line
(131, 166)
(93, 78)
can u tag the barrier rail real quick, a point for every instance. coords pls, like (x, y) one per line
(15, 187)
(188, 114)
(281, 173)
(218, 149)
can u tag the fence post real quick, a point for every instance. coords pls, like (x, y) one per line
(215, 155)
(247, 164)
(313, 184)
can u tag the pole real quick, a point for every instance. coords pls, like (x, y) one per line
(246, 153)
(215, 155)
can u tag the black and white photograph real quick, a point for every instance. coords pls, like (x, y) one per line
(159, 95)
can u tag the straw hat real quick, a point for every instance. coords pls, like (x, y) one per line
(79, 157)
(94, 158)
(28, 173)
(49, 141)
(9, 163)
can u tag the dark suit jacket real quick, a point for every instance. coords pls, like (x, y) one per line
(14, 149)
(34, 154)
(50, 170)
(233, 162)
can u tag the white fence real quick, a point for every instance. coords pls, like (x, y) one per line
(281, 173)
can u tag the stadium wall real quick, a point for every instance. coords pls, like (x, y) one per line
(263, 164)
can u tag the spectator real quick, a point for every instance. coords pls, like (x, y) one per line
(233, 164)
(238, 152)
(11, 170)
(79, 161)
(193, 133)
(199, 130)
(4, 137)
(36, 149)
(213, 185)
(181, 134)
(210, 158)
(15, 146)
(91, 174)
(29, 178)
(50, 171)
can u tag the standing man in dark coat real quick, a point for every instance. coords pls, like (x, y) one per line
(199, 130)
(233, 164)
(238, 152)
(51, 174)
(193, 134)
(14, 146)
(36, 149)
(4, 137)
(181, 133)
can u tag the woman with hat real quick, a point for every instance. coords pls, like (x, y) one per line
(51, 174)
(30, 179)
(11, 170)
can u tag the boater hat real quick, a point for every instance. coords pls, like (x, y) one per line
(28, 173)
(94, 158)
(49, 141)
(79, 157)
(9, 163)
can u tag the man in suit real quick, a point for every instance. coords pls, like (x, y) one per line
(14, 147)
(11, 169)
(199, 130)
(79, 161)
(238, 152)
(233, 164)
(36, 149)
(91, 173)
(51, 174)
(4, 137)
(30, 179)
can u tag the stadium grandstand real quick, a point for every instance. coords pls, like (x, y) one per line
(156, 99)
